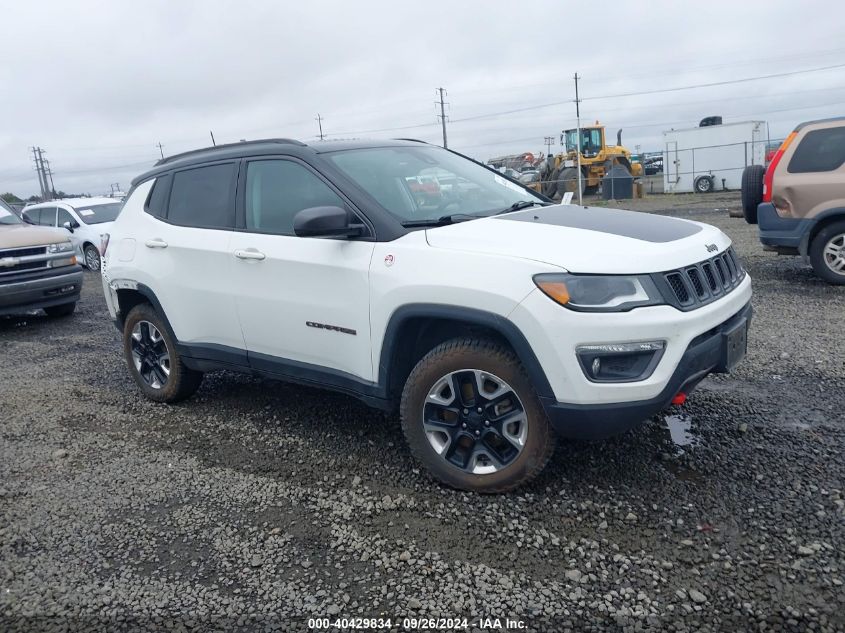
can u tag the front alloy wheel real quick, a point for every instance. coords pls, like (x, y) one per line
(471, 416)
(475, 421)
(92, 258)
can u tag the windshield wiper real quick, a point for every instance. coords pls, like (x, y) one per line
(522, 204)
(441, 221)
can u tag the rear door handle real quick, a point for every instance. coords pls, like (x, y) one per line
(250, 253)
(155, 243)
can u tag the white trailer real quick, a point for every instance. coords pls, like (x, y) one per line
(711, 158)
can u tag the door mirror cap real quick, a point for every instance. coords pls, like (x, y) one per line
(326, 222)
(70, 225)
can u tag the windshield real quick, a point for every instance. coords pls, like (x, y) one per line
(426, 183)
(99, 213)
(590, 140)
(7, 216)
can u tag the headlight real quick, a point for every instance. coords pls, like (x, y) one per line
(61, 247)
(599, 293)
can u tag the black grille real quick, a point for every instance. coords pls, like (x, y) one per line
(707, 267)
(706, 281)
(676, 282)
(22, 252)
(695, 278)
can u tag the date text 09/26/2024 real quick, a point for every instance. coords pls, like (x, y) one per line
(416, 624)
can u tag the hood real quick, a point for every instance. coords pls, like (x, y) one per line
(22, 235)
(587, 239)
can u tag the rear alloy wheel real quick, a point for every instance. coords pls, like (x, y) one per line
(471, 416)
(92, 258)
(827, 253)
(154, 361)
(150, 354)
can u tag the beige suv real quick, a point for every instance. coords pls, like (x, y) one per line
(38, 268)
(802, 211)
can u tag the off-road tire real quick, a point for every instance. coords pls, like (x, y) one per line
(487, 356)
(568, 181)
(182, 382)
(817, 259)
(63, 310)
(752, 191)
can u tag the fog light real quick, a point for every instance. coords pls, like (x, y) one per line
(619, 362)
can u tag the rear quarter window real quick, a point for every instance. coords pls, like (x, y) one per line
(819, 150)
(156, 204)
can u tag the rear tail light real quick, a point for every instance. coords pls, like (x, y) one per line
(104, 243)
(770, 170)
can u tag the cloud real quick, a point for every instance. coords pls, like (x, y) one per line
(98, 85)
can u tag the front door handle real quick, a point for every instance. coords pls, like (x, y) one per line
(155, 243)
(250, 253)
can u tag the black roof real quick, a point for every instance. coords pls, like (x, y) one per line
(262, 147)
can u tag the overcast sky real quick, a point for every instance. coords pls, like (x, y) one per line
(98, 84)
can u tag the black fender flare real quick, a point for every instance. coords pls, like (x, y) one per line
(499, 324)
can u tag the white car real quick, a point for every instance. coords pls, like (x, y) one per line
(491, 320)
(87, 219)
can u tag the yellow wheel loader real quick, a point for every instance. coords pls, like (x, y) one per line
(560, 173)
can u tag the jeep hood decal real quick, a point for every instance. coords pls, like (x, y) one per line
(586, 240)
(639, 226)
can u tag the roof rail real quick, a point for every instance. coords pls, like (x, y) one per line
(288, 141)
(413, 140)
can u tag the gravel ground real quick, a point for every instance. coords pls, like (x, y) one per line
(258, 505)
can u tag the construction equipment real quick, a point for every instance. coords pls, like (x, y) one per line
(560, 173)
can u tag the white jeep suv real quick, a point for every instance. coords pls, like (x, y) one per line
(492, 317)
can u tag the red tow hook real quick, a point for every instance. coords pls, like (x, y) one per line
(679, 398)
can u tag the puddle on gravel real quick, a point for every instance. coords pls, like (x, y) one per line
(680, 429)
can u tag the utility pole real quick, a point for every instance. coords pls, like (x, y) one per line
(442, 115)
(213, 142)
(319, 121)
(578, 141)
(549, 141)
(161, 151)
(48, 173)
(39, 169)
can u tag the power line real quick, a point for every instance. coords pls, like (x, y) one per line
(716, 83)
(645, 92)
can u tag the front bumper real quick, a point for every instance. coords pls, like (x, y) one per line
(704, 355)
(780, 232)
(33, 292)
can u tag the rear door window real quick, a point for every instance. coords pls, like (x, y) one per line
(32, 215)
(47, 216)
(204, 197)
(819, 150)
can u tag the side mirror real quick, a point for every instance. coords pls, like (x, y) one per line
(326, 222)
(70, 225)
